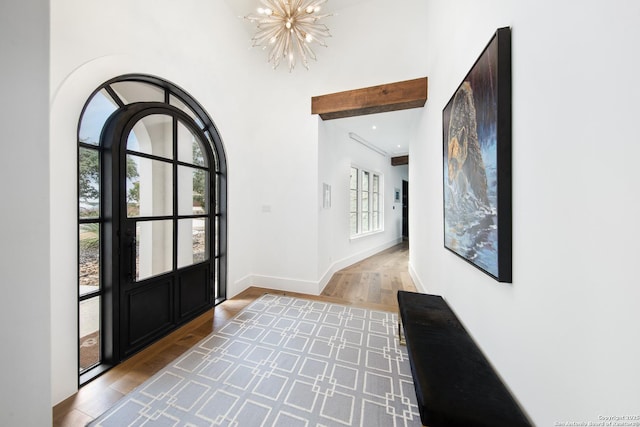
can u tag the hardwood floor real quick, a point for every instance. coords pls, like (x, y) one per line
(374, 280)
(371, 283)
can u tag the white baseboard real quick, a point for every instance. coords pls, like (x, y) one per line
(240, 286)
(306, 286)
(277, 283)
(416, 280)
(286, 284)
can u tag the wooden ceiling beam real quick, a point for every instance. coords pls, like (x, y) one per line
(399, 160)
(370, 100)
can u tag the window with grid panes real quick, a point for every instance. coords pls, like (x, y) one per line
(365, 210)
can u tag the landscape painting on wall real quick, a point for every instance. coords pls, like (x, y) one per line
(477, 162)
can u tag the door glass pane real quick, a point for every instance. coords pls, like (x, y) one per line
(216, 285)
(181, 105)
(149, 187)
(376, 183)
(189, 149)
(95, 116)
(192, 241)
(216, 194)
(89, 333)
(216, 160)
(89, 261)
(192, 191)
(216, 237)
(154, 248)
(89, 183)
(152, 135)
(138, 92)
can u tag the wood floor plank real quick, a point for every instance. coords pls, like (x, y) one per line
(99, 403)
(371, 283)
(374, 289)
(72, 418)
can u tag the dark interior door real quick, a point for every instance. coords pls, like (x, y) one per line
(165, 270)
(405, 210)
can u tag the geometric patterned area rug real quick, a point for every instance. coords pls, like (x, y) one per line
(282, 361)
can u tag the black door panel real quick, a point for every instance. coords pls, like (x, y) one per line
(147, 312)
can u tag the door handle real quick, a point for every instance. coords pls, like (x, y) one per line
(132, 260)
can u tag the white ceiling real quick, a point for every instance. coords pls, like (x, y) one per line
(393, 129)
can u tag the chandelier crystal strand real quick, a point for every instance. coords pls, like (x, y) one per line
(287, 27)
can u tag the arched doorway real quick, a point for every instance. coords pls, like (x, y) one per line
(152, 217)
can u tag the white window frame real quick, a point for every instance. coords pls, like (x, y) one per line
(369, 204)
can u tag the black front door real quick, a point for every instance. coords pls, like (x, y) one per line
(162, 197)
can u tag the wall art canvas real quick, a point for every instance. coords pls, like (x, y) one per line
(477, 162)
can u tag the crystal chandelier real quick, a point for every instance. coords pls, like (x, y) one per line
(287, 27)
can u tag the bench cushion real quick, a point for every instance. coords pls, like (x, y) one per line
(455, 384)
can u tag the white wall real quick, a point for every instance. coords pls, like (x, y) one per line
(282, 179)
(25, 370)
(564, 334)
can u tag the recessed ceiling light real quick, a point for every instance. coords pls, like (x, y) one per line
(374, 127)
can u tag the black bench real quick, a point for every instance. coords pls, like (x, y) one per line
(455, 384)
